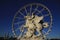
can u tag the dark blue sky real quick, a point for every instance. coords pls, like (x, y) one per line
(8, 8)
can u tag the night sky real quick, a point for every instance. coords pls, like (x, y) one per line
(8, 8)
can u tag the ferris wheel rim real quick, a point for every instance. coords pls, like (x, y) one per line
(34, 4)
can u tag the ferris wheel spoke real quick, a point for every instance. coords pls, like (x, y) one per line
(40, 11)
(46, 15)
(17, 29)
(20, 35)
(43, 31)
(46, 22)
(30, 8)
(19, 22)
(25, 10)
(20, 18)
(21, 13)
(35, 9)
(20, 27)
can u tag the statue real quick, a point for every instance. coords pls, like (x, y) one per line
(32, 24)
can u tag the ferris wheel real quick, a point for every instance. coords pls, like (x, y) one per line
(38, 9)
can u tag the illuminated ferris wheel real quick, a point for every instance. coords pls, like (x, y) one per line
(32, 12)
